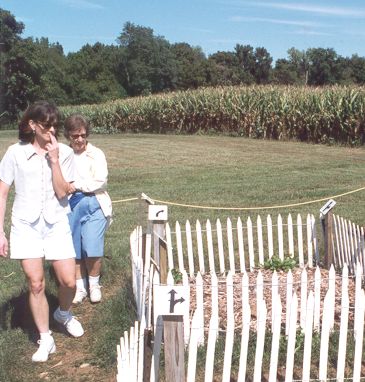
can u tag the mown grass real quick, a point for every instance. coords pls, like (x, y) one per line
(203, 170)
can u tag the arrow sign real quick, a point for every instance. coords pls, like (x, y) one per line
(171, 300)
(157, 212)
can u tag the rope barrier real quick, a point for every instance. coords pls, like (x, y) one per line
(243, 208)
(261, 207)
(124, 200)
(10, 274)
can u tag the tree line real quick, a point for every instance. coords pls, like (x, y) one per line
(142, 63)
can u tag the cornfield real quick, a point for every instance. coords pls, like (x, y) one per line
(318, 115)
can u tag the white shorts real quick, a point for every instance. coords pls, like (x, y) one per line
(41, 239)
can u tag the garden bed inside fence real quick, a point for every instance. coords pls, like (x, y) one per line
(267, 277)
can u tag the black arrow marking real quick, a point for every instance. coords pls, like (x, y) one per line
(173, 302)
(157, 213)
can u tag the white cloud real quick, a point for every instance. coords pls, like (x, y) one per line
(276, 21)
(82, 4)
(313, 33)
(322, 10)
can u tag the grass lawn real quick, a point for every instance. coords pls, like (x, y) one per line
(199, 170)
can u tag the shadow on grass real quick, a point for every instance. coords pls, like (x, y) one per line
(15, 313)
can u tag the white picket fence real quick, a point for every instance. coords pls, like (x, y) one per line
(348, 243)
(308, 311)
(236, 249)
(230, 252)
(239, 247)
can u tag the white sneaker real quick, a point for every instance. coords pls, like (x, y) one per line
(95, 293)
(79, 296)
(46, 347)
(70, 323)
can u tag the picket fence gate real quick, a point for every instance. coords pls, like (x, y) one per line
(307, 314)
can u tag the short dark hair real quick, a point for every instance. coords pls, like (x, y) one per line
(42, 112)
(75, 122)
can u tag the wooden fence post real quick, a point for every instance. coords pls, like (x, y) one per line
(326, 216)
(157, 214)
(163, 261)
(328, 245)
(147, 355)
(174, 348)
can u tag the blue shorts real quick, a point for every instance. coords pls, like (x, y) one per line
(88, 225)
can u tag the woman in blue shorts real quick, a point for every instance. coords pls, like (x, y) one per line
(41, 170)
(90, 208)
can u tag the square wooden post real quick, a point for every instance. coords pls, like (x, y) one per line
(328, 243)
(174, 348)
(157, 215)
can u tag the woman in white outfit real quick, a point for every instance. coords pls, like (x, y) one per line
(91, 208)
(41, 170)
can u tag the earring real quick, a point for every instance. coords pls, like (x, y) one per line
(33, 132)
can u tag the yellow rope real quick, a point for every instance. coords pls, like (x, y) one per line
(243, 208)
(257, 208)
(124, 200)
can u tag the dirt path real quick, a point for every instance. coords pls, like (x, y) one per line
(73, 360)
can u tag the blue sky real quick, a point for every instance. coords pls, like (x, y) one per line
(211, 24)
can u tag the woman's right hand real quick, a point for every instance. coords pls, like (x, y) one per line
(71, 188)
(3, 245)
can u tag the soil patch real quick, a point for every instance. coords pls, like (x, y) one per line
(267, 291)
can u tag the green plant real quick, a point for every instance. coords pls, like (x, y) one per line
(317, 115)
(177, 275)
(277, 264)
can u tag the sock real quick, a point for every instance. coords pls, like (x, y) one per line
(94, 280)
(45, 335)
(65, 314)
(81, 284)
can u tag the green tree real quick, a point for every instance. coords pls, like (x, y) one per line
(52, 68)
(191, 66)
(300, 61)
(357, 65)
(285, 73)
(22, 77)
(92, 74)
(147, 63)
(225, 69)
(247, 63)
(10, 31)
(323, 66)
(262, 70)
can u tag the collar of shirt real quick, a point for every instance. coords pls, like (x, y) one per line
(29, 150)
(90, 152)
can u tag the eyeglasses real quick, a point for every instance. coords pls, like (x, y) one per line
(47, 126)
(74, 137)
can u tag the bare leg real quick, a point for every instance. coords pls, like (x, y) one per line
(81, 272)
(93, 265)
(33, 269)
(66, 274)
